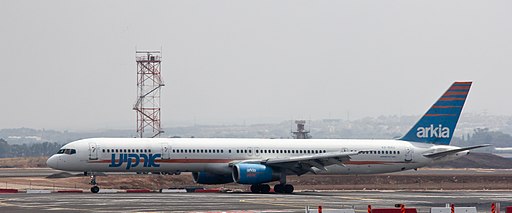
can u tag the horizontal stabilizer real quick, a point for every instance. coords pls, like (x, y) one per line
(453, 151)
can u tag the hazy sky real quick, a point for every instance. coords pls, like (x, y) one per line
(71, 64)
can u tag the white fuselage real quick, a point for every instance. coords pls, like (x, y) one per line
(215, 155)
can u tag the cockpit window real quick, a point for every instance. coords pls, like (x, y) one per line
(67, 151)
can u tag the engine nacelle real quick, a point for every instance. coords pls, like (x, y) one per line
(245, 173)
(210, 178)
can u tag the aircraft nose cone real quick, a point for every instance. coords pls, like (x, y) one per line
(52, 162)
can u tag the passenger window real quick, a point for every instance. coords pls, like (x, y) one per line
(221, 151)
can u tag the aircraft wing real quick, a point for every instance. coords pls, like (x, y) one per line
(304, 164)
(453, 151)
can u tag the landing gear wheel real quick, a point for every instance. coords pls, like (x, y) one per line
(283, 188)
(288, 189)
(279, 188)
(95, 189)
(255, 188)
(264, 188)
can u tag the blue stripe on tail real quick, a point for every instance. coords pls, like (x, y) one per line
(438, 124)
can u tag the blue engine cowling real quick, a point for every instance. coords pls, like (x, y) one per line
(210, 178)
(245, 173)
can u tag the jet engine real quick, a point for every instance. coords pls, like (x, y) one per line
(245, 173)
(211, 178)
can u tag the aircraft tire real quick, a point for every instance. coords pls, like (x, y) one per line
(265, 188)
(279, 188)
(288, 189)
(95, 189)
(255, 188)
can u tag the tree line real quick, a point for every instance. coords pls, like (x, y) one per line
(28, 150)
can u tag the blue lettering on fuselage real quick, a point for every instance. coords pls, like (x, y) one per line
(133, 160)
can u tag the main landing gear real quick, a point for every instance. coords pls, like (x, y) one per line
(94, 188)
(283, 188)
(260, 188)
(265, 188)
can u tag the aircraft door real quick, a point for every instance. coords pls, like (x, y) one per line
(166, 151)
(93, 151)
(408, 154)
(257, 151)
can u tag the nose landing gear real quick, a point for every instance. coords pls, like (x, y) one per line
(94, 188)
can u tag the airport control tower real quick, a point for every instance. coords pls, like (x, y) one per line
(149, 84)
(301, 132)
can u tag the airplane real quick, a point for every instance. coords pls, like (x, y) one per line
(257, 162)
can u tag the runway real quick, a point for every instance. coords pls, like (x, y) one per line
(236, 202)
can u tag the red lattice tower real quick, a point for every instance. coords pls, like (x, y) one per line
(149, 84)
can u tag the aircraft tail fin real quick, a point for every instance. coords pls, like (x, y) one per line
(439, 122)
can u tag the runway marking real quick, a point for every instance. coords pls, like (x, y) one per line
(273, 204)
(358, 198)
(5, 204)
